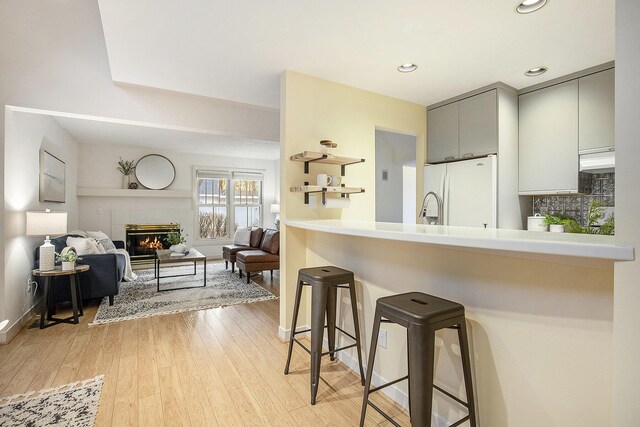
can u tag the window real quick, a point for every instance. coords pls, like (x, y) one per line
(226, 201)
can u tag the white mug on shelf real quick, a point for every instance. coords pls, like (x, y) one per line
(323, 180)
(335, 180)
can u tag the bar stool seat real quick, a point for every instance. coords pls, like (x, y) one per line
(422, 315)
(325, 282)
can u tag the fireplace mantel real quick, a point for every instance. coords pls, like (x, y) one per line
(119, 192)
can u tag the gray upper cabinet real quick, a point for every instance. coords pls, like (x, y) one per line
(596, 112)
(478, 125)
(548, 145)
(442, 133)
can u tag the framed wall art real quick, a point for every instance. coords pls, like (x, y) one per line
(52, 178)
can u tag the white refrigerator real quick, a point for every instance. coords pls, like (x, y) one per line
(468, 190)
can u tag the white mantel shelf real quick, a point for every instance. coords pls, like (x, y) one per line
(120, 192)
(534, 242)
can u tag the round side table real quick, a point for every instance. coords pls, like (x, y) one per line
(46, 319)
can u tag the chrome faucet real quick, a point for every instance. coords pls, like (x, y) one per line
(423, 209)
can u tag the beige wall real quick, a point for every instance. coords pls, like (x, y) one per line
(312, 110)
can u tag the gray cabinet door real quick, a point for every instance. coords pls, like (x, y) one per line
(596, 111)
(442, 133)
(548, 144)
(478, 124)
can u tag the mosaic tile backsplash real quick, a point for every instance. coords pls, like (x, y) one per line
(596, 187)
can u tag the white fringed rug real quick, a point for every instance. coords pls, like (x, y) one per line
(140, 298)
(74, 404)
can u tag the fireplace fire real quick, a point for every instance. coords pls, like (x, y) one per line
(144, 239)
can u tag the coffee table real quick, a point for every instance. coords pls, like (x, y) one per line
(163, 257)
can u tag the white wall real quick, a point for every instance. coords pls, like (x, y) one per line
(26, 135)
(53, 56)
(626, 335)
(393, 151)
(97, 168)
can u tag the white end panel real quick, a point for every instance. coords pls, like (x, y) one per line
(471, 193)
(434, 176)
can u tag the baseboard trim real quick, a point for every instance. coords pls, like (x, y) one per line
(8, 334)
(285, 334)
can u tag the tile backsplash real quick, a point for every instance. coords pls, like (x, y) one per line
(599, 186)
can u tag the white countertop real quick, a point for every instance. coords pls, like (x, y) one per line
(536, 242)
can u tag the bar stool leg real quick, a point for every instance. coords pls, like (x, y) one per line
(466, 369)
(356, 326)
(318, 309)
(372, 357)
(420, 345)
(294, 321)
(332, 301)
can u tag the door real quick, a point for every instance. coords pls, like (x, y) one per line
(478, 130)
(548, 144)
(470, 193)
(596, 112)
(434, 176)
(442, 133)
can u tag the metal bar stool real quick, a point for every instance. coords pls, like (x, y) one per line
(422, 315)
(324, 282)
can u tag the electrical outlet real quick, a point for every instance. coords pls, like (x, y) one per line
(382, 338)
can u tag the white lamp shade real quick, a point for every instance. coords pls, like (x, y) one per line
(275, 208)
(46, 223)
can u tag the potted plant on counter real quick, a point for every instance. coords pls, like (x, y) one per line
(555, 223)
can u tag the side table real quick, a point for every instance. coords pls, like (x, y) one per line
(46, 319)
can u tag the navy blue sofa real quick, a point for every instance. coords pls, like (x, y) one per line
(102, 280)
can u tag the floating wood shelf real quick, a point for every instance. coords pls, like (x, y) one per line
(326, 158)
(308, 189)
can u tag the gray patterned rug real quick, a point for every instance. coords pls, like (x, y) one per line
(74, 404)
(140, 298)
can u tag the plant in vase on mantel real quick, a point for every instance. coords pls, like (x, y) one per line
(126, 168)
(177, 240)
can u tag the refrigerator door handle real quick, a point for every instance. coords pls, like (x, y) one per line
(445, 198)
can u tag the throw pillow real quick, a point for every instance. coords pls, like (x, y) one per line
(242, 236)
(83, 245)
(101, 249)
(102, 239)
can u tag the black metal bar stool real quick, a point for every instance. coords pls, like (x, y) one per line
(422, 315)
(324, 282)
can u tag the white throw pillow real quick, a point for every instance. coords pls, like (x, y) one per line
(103, 240)
(84, 246)
(101, 248)
(242, 237)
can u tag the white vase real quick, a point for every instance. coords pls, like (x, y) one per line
(126, 180)
(181, 247)
(68, 265)
(556, 228)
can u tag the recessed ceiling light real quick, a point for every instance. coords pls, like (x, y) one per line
(407, 68)
(528, 6)
(535, 71)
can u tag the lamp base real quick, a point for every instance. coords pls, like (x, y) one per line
(47, 256)
(277, 222)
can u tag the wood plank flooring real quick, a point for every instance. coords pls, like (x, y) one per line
(217, 367)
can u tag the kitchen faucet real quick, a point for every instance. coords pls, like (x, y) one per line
(423, 209)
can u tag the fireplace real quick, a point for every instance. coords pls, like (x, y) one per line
(144, 239)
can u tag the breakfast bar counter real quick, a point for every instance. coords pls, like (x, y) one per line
(536, 242)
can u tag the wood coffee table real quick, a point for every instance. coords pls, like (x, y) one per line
(163, 257)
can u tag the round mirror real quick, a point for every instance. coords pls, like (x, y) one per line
(155, 172)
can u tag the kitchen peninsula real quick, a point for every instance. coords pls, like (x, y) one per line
(539, 309)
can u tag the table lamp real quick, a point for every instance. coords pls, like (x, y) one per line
(46, 224)
(275, 209)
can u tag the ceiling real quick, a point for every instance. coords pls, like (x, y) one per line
(96, 132)
(237, 50)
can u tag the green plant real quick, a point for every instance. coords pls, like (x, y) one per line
(69, 256)
(595, 214)
(175, 238)
(552, 219)
(126, 167)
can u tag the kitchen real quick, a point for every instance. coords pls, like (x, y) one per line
(527, 293)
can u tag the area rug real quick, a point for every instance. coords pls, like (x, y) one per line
(74, 404)
(140, 298)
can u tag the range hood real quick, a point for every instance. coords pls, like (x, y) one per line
(602, 162)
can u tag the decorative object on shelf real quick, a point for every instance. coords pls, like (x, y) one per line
(126, 168)
(155, 172)
(52, 178)
(133, 186)
(177, 240)
(275, 209)
(68, 258)
(46, 224)
(536, 223)
(327, 146)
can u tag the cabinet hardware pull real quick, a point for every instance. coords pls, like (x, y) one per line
(468, 155)
(449, 158)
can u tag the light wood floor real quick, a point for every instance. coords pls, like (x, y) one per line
(218, 367)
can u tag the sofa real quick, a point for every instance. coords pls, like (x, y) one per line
(263, 253)
(102, 280)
